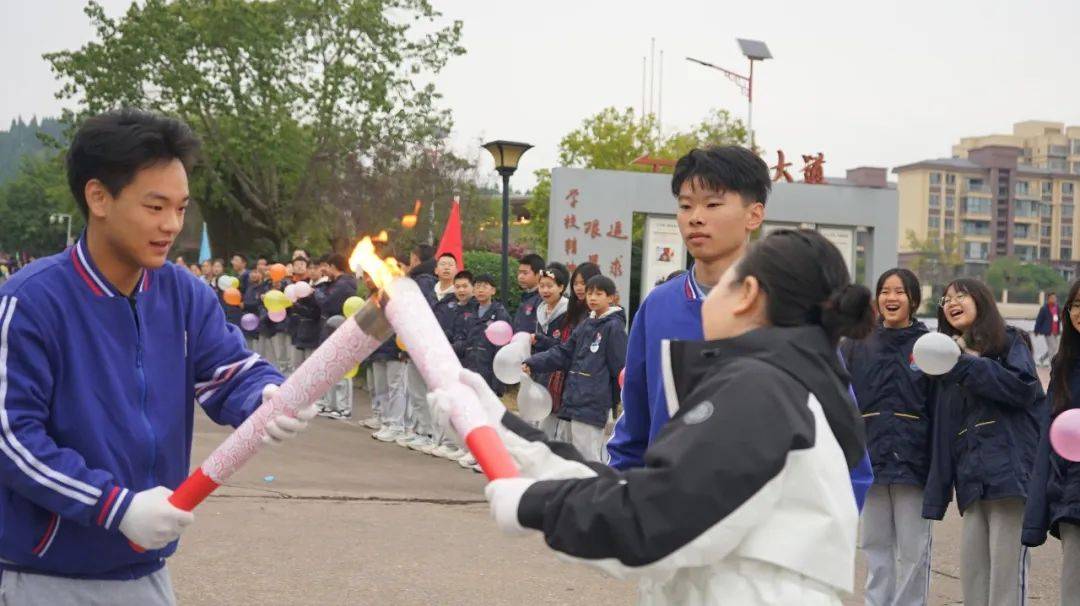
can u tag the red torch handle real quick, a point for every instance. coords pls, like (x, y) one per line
(491, 453)
(189, 494)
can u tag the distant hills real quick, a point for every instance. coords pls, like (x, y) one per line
(22, 139)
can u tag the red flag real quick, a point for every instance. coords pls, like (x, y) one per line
(451, 238)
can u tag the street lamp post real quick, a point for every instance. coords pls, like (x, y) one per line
(754, 50)
(506, 155)
(55, 218)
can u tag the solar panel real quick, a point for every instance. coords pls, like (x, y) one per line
(754, 49)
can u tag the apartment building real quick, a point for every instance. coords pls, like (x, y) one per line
(1049, 145)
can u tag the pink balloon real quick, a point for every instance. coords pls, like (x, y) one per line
(303, 289)
(249, 322)
(1065, 435)
(290, 291)
(499, 333)
(277, 316)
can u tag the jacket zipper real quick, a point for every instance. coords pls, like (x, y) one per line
(142, 389)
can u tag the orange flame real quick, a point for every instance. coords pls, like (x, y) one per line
(381, 271)
(409, 221)
(382, 238)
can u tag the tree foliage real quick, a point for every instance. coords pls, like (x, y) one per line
(936, 262)
(25, 139)
(27, 200)
(1024, 281)
(282, 94)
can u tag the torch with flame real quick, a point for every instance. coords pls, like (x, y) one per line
(411, 317)
(355, 340)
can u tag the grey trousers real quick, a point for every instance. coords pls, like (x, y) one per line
(1070, 564)
(896, 541)
(994, 564)
(276, 351)
(418, 416)
(588, 440)
(298, 357)
(389, 381)
(1051, 346)
(26, 589)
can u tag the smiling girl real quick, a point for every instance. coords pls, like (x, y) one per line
(988, 412)
(893, 396)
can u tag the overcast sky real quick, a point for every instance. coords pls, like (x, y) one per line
(867, 83)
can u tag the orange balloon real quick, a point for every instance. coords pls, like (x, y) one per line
(400, 343)
(232, 297)
(277, 272)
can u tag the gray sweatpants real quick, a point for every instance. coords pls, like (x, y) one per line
(1070, 564)
(276, 351)
(418, 416)
(588, 440)
(895, 539)
(26, 589)
(389, 381)
(994, 564)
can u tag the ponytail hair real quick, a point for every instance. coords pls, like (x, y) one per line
(807, 283)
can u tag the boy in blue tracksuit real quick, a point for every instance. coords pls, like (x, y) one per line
(721, 195)
(105, 349)
(593, 357)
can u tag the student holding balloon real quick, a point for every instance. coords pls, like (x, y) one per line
(552, 328)
(988, 412)
(273, 329)
(1054, 492)
(894, 398)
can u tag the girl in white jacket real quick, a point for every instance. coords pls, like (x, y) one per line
(745, 497)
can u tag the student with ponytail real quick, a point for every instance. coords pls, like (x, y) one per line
(745, 496)
(988, 412)
(1054, 491)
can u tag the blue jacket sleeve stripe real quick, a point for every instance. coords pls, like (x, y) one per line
(205, 390)
(10, 445)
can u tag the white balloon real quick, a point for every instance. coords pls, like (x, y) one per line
(534, 401)
(225, 282)
(303, 289)
(935, 353)
(290, 291)
(508, 360)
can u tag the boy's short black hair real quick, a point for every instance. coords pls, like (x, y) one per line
(338, 260)
(322, 259)
(242, 256)
(464, 275)
(112, 147)
(448, 254)
(603, 283)
(424, 252)
(533, 260)
(486, 279)
(727, 168)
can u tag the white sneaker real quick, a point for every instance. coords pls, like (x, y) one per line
(390, 435)
(477, 468)
(381, 430)
(372, 423)
(457, 454)
(405, 438)
(467, 461)
(419, 443)
(443, 451)
(428, 448)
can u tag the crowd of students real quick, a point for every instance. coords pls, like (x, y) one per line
(579, 341)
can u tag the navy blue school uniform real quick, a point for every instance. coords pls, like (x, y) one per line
(988, 412)
(253, 304)
(446, 312)
(1054, 490)
(593, 356)
(525, 316)
(549, 333)
(894, 397)
(267, 327)
(471, 344)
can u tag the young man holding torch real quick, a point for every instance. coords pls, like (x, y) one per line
(104, 350)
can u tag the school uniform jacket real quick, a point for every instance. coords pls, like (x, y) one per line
(752, 468)
(1054, 489)
(471, 344)
(97, 395)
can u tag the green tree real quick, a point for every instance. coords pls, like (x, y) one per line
(1024, 281)
(282, 94)
(612, 139)
(28, 199)
(936, 262)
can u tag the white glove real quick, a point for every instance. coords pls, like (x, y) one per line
(443, 404)
(284, 427)
(151, 521)
(504, 497)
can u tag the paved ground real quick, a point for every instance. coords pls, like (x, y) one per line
(348, 520)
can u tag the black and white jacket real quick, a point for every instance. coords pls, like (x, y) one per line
(745, 490)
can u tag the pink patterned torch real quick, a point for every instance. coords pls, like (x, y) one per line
(349, 345)
(412, 319)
